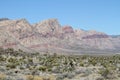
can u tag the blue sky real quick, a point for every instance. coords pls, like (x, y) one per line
(100, 15)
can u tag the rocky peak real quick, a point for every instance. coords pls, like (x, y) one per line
(49, 33)
(91, 32)
(23, 21)
(17, 28)
(48, 26)
(23, 24)
(67, 29)
(79, 33)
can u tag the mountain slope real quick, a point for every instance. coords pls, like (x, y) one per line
(49, 35)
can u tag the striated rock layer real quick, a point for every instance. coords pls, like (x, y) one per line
(50, 36)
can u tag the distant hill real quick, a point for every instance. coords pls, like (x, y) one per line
(50, 36)
(3, 19)
(115, 36)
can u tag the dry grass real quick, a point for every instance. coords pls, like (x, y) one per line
(2, 76)
(31, 77)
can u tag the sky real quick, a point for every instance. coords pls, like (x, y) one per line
(99, 15)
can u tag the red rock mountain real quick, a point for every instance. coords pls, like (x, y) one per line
(50, 36)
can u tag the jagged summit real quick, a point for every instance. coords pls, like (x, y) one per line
(48, 26)
(49, 35)
(23, 20)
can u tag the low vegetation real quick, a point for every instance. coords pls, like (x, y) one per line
(19, 65)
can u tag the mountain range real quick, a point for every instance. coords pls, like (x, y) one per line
(50, 36)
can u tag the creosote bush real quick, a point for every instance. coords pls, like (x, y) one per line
(63, 66)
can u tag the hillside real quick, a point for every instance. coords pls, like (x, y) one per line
(50, 36)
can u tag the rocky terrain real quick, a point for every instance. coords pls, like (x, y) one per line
(50, 36)
(40, 52)
(19, 65)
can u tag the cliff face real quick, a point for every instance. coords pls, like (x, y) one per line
(49, 35)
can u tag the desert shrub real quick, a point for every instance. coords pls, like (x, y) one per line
(78, 71)
(31, 77)
(104, 72)
(70, 75)
(60, 77)
(2, 58)
(43, 68)
(100, 78)
(11, 66)
(12, 60)
(82, 64)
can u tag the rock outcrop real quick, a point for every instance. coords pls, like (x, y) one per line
(49, 35)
